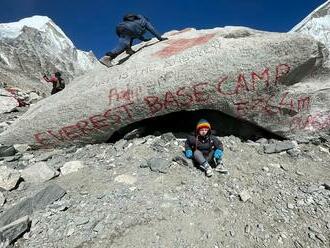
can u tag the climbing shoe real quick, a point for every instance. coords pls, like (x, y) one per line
(221, 167)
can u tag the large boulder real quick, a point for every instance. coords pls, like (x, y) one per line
(38, 173)
(8, 178)
(268, 79)
(37, 202)
(7, 102)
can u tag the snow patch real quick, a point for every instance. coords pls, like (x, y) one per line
(318, 12)
(42, 23)
(316, 24)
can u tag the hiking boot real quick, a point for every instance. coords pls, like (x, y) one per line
(106, 60)
(111, 55)
(130, 51)
(207, 168)
(209, 172)
(221, 167)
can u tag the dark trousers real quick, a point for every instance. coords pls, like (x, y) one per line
(55, 90)
(201, 158)
(125, 42)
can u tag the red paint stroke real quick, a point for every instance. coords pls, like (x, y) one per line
(316, 122)
(180, 45)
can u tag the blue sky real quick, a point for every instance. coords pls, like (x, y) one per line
(90, 24)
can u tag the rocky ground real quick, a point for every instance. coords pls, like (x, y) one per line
(143, 193)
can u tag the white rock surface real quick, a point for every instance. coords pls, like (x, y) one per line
(126, 179)
(7, 102)
(72, 166)
(21, 148)
(8, 178)
(38, 173)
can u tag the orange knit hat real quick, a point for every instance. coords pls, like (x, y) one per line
(203, 124)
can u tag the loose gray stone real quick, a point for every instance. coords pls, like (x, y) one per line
(136, 133)
(99, 227)
(72, 166)
(276, 166)
(144, 164)
(8, 178)
(26, 207)
(4, 125)
(270, 148)
(7, 102)
(27, 157)
(300, 173)
(81, 221)
(279, 146)
(15, 229)
(285, 167)
(38, 173)
(300, 203)
(325, 150)
(321, 237)
(167, 137)
(327, 185)
(70, 231)
(13, 158)
(126, 179)
(21, 148)
(312, 189)
(2, 199)
(7, 151)
(180, 160)
(244, 195)
(33, 98)
(247, 228)
(47, 155)
(159, 165)
(295, 152)
(312, 236)
(314, 229)
(262, 141)
(290, 206)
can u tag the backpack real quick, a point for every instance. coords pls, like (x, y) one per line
(61, 84)
(130, 17)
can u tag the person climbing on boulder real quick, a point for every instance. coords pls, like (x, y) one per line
(133, 27)
(205, 149)
(57, 80)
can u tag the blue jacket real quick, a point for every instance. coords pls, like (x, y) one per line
(136, 28)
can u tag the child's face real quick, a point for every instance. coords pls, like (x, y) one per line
(203, 131)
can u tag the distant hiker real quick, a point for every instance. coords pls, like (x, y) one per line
(205, 149)
(58, 82)
(133, 27)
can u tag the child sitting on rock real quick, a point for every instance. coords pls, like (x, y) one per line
(205, 149)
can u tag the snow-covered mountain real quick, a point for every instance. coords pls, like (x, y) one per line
(317, 24)
(34, 46)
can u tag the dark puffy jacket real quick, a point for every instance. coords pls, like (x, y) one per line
(136, 27)
(205, 144)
